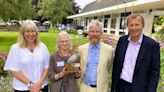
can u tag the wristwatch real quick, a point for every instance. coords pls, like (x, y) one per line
(29, 84)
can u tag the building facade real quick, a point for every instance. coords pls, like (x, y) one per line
(113, 14)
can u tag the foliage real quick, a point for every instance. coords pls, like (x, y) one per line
(159, 20)
(73, 31)
(162, 63)
(78, 41)
(6, 84)
(55, 10)
(16, 9)
(2, 72)
(159, 36)
(161, 84)
(110, 39)
(159, 33)
(85, 34)
(159, 30)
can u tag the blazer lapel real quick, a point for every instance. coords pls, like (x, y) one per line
(100, 56)
(86, 56)
(123, 50)
(140, 54)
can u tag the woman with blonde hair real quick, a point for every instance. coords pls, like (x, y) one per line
(28, 60)
(62, 80)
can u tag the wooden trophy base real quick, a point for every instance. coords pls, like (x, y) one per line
(72, 67)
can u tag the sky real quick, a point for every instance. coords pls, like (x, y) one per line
(82, 3)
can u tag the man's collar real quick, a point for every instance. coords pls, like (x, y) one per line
(139, 41)
(92, 45)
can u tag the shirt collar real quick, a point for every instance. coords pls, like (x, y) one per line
(138, 42)
(92, 46)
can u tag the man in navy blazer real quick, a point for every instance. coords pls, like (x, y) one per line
(136, 66)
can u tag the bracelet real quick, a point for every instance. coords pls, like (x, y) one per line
(29, 84)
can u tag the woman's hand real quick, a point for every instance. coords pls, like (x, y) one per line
(63, 72)
(78, 74)
(36, 87)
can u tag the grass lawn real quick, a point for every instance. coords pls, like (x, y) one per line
(49, 38)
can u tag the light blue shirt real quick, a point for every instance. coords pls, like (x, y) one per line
(90, 77)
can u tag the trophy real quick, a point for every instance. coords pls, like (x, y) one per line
(72, 65)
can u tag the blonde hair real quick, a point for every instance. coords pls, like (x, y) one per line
(27, 25)
(62, 34)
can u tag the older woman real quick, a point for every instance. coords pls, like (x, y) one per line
(63, 81)
(28, 61)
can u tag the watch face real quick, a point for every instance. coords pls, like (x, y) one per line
(29, 84)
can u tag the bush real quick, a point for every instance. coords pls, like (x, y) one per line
(159, 33)
(162, 64)
(73, 31)
(85, 34)
(159, 30)
(6, 84)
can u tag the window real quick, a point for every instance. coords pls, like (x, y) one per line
(123, 20)
(112, 32)
(105, 31)
(95, 17)
(123, 23)
(106, 23)
(121, 33)
(107, 16)
(86, 22)
(113, 23)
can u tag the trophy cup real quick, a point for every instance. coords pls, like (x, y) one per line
(72, 65)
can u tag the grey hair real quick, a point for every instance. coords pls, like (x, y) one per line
(93, 23)
(27, 25)
(61, 34)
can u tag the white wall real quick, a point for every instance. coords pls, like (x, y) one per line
(148, 24)
(147, 29)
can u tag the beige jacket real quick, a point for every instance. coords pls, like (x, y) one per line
(105, 60)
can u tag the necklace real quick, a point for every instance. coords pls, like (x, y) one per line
(31, 50)
(64, 54)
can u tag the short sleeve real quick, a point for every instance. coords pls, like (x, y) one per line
(12, 62)
(46, 57)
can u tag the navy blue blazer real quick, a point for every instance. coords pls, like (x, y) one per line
(147, 68)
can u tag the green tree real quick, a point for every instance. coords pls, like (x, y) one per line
(159, 28)
(16, 9)
(55, 10)
(158, 20)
